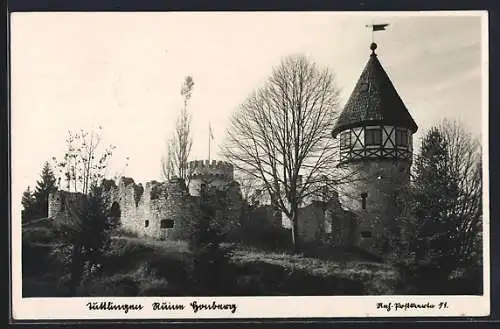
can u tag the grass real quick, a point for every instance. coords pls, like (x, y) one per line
(141, 267)
(378, 278)
(314, 266)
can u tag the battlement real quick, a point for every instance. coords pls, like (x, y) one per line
(206, 168)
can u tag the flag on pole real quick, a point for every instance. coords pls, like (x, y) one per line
(210, 131)
(378, 27)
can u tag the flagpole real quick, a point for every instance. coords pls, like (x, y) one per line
(372, 31)
(209, 128)
(376, 27)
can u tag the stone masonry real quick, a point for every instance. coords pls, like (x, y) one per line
(162, 210)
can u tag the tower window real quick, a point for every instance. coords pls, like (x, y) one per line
(401, 137)
(366, 234)
(146, 223)
(363, 200)
(373, 136)
(166, 223)
(345, 139)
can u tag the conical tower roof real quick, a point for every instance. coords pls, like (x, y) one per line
(374, 100)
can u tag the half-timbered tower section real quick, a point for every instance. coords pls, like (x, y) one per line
(375, 133)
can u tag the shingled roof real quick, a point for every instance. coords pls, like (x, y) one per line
(374, 101)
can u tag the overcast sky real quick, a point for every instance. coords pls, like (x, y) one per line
(124, 71)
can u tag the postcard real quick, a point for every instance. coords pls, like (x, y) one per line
(242, 165)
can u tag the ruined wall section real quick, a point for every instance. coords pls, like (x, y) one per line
(160, 210)
(235, 206)
(132, 204)
(176, 208)
(163, 210)
(311, 222)
(58, 202)
(327, 222)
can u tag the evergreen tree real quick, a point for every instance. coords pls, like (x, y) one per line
(45, 186)
(434, 193)
(444, 206)
(29, 205)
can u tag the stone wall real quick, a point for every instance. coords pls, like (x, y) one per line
(162, 210)
(311, 222)
(378, 182)
(217, 174)
(327, 222)
(176, 206)
(159, 210)
(58, 202)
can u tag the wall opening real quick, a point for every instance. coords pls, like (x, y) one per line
(203, 191)
(155, 192)
(364, 195)
(366, 234)
(166, 223)
(146, 223)
(115, 212)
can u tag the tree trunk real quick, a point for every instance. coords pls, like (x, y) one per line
(295, 233)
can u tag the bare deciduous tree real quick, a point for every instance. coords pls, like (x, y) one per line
(85, 229)
(440, 228)
(167, 166)
(174, 163)
(281, 136)
(85, 162)
(465, 165)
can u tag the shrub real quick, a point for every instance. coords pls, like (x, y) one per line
(210, 260)
(87, 231)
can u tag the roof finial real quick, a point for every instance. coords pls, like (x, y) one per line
(373, 46)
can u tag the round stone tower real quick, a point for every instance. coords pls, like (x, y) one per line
(375, 133)
(216, 174)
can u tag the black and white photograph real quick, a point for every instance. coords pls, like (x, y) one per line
(249, 164)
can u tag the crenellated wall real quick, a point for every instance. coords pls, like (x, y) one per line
(162, 210)
(214, 174)
(200, 168)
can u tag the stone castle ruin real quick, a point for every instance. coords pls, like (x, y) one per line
(375, 131)
(161, 210)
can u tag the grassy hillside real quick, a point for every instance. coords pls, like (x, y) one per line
(139, 267)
